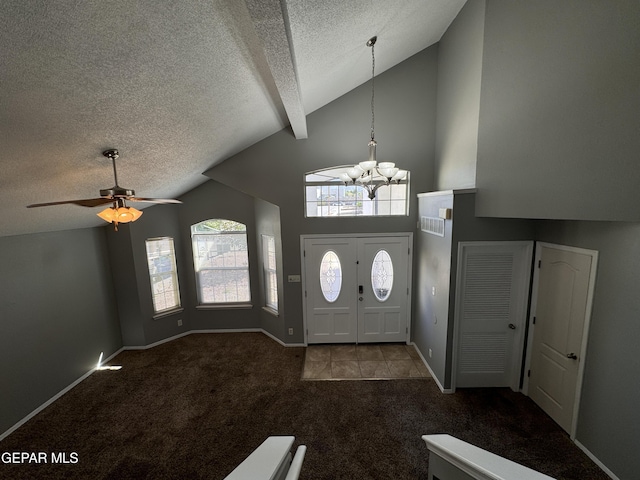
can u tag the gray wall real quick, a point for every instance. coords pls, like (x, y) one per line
(433, 269)
(214, 200)
(273, 169)
(609, 423)
(437, 267)
(125, 285)
(558, 132)
(459, 73)
(268, 223)
(57, 313)
(557, 138)
(128, 258)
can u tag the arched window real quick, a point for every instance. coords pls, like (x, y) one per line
(221, 261)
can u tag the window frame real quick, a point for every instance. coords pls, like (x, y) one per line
(270, 273)
(243, 303)
(173, 272)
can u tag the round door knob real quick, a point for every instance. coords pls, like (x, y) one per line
(512, 326)
(572, 356)
(360, 298)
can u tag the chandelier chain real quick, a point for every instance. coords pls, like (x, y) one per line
(373, 71)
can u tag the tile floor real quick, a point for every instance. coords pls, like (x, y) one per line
(358, 362)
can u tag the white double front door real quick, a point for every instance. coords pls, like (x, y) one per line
(357, 289)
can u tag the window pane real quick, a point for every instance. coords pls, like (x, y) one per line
(269, 270)
(383, 208)
(163, 274)
(221, 261)
(398, 207)
(382, 275)
(224, 286)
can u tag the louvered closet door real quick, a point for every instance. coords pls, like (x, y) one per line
(491, 308)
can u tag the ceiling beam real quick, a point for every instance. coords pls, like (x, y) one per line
(272, 26)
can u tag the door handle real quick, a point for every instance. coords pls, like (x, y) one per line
(512, 326)
(360, 298)
(572, 356)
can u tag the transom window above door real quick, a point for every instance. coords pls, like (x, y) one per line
(326, 195)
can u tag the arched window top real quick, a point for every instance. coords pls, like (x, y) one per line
(218, 226)
(327, 195)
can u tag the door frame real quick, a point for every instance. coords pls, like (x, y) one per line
(585, 330)
(409, 236)
(520, 346)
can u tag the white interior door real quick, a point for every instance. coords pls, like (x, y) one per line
(383, 266)
(561, 310)
(330, 279)
(357, 289)
(492, 296)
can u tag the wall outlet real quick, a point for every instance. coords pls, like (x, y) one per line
(180, 322)
(430, 353)
(293, 278)
(291, 331)
(433, 291)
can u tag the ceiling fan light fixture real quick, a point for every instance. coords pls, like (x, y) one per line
(120, 214)
(116, 195)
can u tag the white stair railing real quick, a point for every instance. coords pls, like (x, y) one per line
(452, 459)
(271, 461)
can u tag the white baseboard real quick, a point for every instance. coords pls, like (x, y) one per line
(134, 347)
(596, 461)
(45, 405)
(184, 334)
(435, 379)
(273, 337)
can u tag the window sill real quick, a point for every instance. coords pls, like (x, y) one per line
(225, 306)
(271, 311)
(168, 313)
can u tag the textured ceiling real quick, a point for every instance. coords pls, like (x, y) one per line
(176, 87)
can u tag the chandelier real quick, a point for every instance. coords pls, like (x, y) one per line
(370, 174)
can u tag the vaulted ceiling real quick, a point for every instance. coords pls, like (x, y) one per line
(176, 87)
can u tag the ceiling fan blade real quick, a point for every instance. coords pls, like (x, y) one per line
(88, 202)
(153, 200)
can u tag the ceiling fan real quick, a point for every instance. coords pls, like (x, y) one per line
(119, 212)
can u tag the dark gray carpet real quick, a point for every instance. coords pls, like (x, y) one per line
(196, 407)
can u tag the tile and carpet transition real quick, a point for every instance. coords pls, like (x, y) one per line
(363, 362)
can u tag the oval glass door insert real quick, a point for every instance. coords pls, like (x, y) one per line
(330, 276)
(382, 275)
